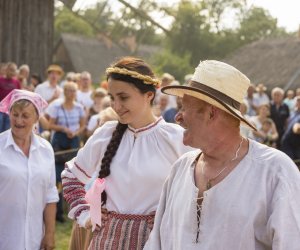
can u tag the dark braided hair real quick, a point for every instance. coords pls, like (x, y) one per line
(109, 154)
(133, 64)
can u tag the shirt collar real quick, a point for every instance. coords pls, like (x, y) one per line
(34, 141)
(147, 128)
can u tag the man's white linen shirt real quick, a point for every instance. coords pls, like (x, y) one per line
(85, 98)
(47, 91)
(27, 185)
(255, 207)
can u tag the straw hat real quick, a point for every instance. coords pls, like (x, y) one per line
(218, 84)
(56, 68)
(167, 76)
(260, 87)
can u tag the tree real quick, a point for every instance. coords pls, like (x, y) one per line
(216, 10)
(258, 24)
(190, 33)
(67, 22)
(167, 61)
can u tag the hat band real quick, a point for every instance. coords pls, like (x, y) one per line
(217, 94)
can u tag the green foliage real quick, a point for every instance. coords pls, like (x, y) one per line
(100, 16)
(196, 32)
(167, 61)
(223, 43)
(196, 28)
(190, 32)
(216, 10)
(67, 22)
(63, 235)
(258, 24)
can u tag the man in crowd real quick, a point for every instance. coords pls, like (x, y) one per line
(50, 89)
(279, 113)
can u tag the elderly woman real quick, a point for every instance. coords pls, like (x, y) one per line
(27, 189)
(67, 119)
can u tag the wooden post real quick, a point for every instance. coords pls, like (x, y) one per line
(26, 33)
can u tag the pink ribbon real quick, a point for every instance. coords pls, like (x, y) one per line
(93, 197)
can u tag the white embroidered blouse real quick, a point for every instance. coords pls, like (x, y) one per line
(138, 170)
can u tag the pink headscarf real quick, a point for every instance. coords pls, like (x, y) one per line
(18, 94)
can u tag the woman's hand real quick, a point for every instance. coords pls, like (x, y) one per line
(88, 224)
(48, 242)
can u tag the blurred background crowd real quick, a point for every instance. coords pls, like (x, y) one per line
(77, 107)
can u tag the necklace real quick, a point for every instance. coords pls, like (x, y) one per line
(209, 180)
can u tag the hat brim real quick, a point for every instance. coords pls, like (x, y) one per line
(180, 91)
(262, 88)
(55, 70)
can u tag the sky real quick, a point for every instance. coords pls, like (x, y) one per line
(286, 11)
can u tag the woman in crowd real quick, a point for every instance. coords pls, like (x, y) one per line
(258, 120)
(133, 155)
(95, 120)
(98, 96)
(67, 119)
(27, 189)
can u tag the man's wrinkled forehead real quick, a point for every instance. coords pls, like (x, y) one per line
(193, 102)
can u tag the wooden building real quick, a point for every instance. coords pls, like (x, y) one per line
(77, 53)
(273, 62)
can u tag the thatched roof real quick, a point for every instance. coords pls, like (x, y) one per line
(274, 62)
(78, 53)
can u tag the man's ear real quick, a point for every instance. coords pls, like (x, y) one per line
(213, 112)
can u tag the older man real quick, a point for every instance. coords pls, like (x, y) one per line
(233, 193)
(279, 113)
(84, 94)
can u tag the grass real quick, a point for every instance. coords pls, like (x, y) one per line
(63, 234)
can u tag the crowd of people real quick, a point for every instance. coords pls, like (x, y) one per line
(275, 117)
(68, 135)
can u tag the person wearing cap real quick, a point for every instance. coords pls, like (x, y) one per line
(260, 96)
(50, 90)
(131, 158)
(231, 193)
(28, 193)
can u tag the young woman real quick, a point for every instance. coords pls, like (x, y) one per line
(134, 155)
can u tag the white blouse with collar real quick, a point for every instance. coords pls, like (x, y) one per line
(27, 185)
(138, 170)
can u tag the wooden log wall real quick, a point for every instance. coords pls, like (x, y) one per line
(26, 33)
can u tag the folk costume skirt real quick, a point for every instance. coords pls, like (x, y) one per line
(122, 232)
